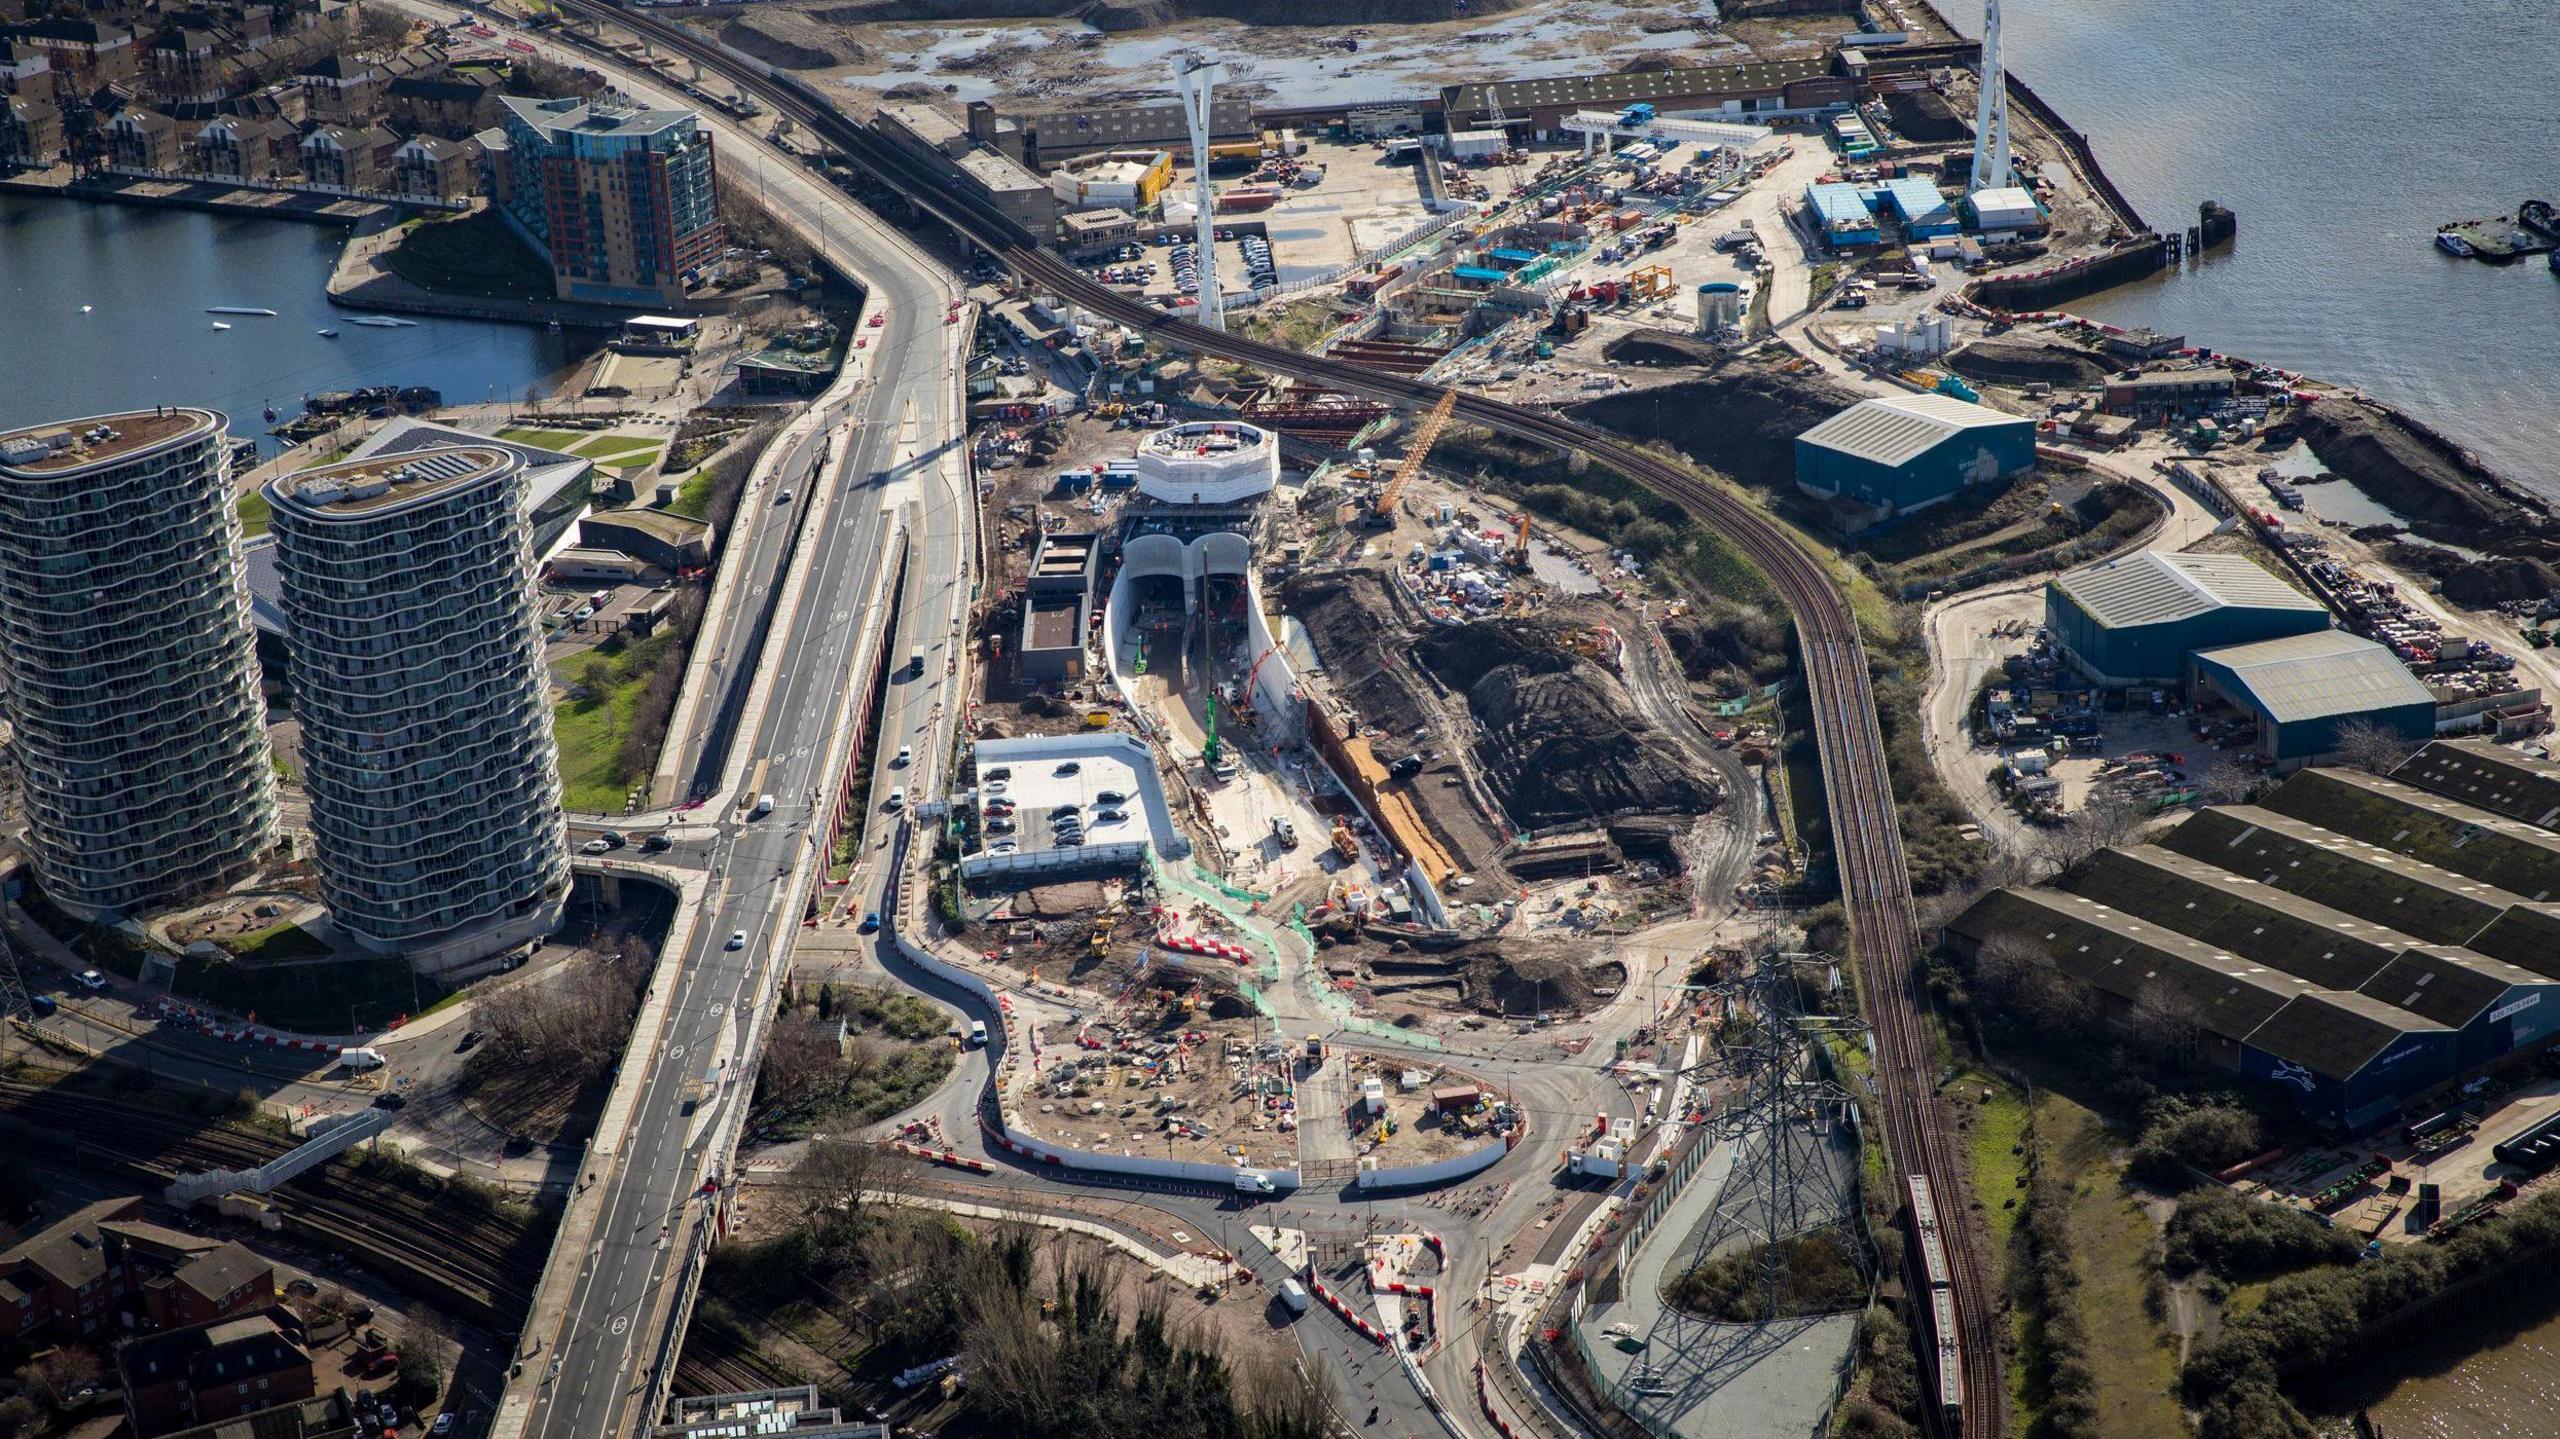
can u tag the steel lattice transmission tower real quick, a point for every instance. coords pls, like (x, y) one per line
(1795, 1168)
(1195, 78)
(1991, 112)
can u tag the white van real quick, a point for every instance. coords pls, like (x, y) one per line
(977, 1033)
(361, 1060)
(764, 806)
(1294, 1294)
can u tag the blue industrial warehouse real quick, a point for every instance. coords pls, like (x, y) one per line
(2135, 619)
(2358, 943)
(1843, 214)
(2303, 687)
(1890, 456)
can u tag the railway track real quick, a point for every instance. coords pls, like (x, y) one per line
(489, 1264)
(1858, 790)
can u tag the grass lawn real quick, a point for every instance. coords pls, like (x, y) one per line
(630, 459)
(283, 941)
(1995, 1133)
(590, 731)
(563, 440)
(473, 255)
(693, 497)
(255, 513)
(2134, 1354)
(605, 446)
(590, 734)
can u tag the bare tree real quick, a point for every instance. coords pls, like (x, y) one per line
(835, 1174)
(51, 1378)
(800, 1062)
(2167, 1024)
(2107, 820)
(2222, 779)
(2376, 749)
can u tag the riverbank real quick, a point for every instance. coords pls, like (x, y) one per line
(364, 280)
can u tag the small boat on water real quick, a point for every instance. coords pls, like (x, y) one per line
(2453, 244)
(326, 334)
(237, 310)
(385, 322)
(271, 414)
(220, 326)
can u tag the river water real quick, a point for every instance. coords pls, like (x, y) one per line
(2344, 135)
(148, 275)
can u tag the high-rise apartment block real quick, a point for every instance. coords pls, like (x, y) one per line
(127, 670)
(621, 201)
(416, 659)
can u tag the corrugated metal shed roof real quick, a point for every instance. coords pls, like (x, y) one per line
(2446, 984)
(2497, 779)
(2336, 1032)
(1838, 203)
(2321, 675)
(1626, 87)
(1916, 199)
(1900, 428)
(2152, 588)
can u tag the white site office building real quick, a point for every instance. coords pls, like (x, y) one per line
(416, 659)
(127, 669)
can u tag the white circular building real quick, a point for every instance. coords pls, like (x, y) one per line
(127, 668)
(416, 656)
(1208, 462)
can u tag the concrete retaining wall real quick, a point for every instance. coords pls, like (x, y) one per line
(1424, 1176)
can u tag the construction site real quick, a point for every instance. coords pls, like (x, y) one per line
(1180, 1087)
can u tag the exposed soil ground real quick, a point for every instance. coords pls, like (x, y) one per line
(1742, 421)
(1510, 976)
(2011, 359)
(1414, 1130)
(1555, 735)
(1192, 1088)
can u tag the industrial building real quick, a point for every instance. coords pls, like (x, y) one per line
(2359, 941)
(2005, 211)
(2303, 687)
(2134, 620)
(1057, 601)
(1890, 456)
(971, 152)
(1755, 88)
(2492, 777)
(2167, 394)
(1841, 210)
(2344, 1055)
(1113, 179)
(1049, 137)
(419, 680)
(128, 674)
(621, 201)
(1923, 213)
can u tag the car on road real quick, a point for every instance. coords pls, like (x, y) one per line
(443, 1424)
(871, 921)
(613, 839)
(92, 980)
(906, 756)
(782, 499)
(656, 844)
(470, 1041)
(595, 846)
(1069, 770)
(897, 800)
(737, 939)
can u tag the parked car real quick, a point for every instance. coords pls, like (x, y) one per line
(871, 921)
(90, 979)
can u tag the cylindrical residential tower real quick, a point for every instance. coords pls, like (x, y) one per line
(416, 659)
(131, 675)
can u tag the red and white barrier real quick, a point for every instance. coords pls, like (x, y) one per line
(1333, 1301)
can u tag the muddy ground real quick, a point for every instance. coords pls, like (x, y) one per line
(1512, 976)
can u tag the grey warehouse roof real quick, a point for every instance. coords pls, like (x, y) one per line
(2153, 588)
(1900, 428)
(2489, 775)
(2320, 675)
